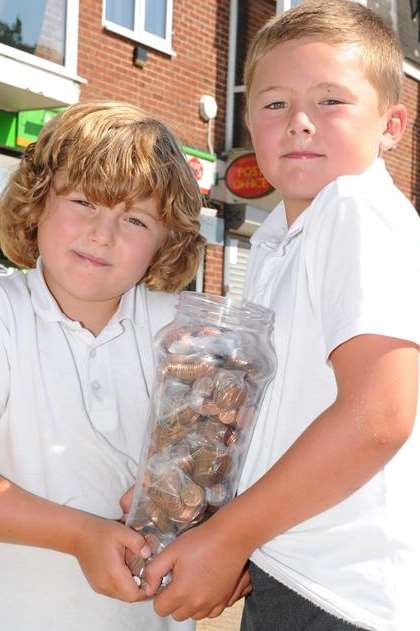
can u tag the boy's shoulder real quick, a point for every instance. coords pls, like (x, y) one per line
(368, 198)
(160, 307)
(374, 187)
(15, 299)
(13, 284)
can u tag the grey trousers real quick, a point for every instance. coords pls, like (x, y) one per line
(271, 606)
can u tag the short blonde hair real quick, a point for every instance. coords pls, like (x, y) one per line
(113, 152)
(338, 22)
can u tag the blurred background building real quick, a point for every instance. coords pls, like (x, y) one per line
(182, 62)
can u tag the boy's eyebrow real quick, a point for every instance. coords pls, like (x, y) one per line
(137, 208)
(323, 85)
(269, 88)
(329, 84)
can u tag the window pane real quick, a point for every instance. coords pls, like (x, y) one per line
(35, 26)
(155, 20)
(120, 12)
(241, 137)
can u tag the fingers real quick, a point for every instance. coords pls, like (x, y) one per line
(214, 613)
(154, 572)
(126, 499)
(243, 587)
(136, 544)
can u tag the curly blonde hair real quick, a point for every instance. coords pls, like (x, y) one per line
(113, 152)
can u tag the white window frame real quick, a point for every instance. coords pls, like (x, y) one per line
(69, 68)
(138, 33)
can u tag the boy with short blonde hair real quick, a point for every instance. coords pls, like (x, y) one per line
(324, 510)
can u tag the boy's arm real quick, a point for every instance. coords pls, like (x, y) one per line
(339, 452)
(98, 544)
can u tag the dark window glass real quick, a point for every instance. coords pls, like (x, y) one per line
(35, 26)
(241, 137)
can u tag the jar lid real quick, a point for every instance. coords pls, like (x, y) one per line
(221, 310)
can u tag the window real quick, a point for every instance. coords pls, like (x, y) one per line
(148, 22)
(284, 5)
(40, 32)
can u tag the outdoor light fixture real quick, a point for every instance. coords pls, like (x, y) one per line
(140, 56)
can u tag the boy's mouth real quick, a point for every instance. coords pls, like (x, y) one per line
(302, 155)
(95, 260)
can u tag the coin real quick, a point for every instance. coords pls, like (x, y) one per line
(216, 495)
(227, 417)
(192, 495)
(211, 462)
(230, 389)
(190, 367)
(213, 430)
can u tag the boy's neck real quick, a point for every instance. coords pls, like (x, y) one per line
(92, 316)
(294, 208)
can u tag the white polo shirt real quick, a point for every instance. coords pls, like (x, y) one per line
(73, 416)
(349, 265)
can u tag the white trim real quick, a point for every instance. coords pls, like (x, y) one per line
(138, 34)
(230, 82)
(411, 70)
(72, 37)
(27, 86)
(69, 68)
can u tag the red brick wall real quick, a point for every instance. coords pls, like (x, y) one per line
(213, 270)
(258, 13)
(404, 162)
(167, 87)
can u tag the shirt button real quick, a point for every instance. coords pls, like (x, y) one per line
(92, 353)
(96, 385)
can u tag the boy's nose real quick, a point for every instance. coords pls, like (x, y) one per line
(102, 229)
(300, 123)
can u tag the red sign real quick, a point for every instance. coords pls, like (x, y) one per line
(196, 167)
(244, 178)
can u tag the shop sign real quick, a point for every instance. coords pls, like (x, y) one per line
(30, 123)
(203, 169)
(243, 178)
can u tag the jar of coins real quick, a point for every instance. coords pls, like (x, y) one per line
(214, 362)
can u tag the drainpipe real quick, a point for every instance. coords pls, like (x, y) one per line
(233, 30)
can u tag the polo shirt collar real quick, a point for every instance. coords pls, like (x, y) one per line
(46, 307)
(275, 230)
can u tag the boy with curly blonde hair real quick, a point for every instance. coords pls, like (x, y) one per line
(103, 209)
(328, 510)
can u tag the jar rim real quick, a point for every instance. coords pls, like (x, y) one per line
(226, 309)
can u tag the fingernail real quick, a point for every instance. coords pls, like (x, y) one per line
(146, 552)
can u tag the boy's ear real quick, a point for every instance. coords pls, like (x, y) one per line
(396, 123)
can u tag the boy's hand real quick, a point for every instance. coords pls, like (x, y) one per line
(101, 550)
(207, 574)
(125, 502)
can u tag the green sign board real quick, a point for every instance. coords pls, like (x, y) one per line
(8, 122)
(19, 129)
(30, 123)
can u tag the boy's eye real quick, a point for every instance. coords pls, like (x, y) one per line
(276, 105)
(331, 102)
(135, 221)
(83, 202)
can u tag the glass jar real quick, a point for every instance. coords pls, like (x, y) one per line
(214, 361)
